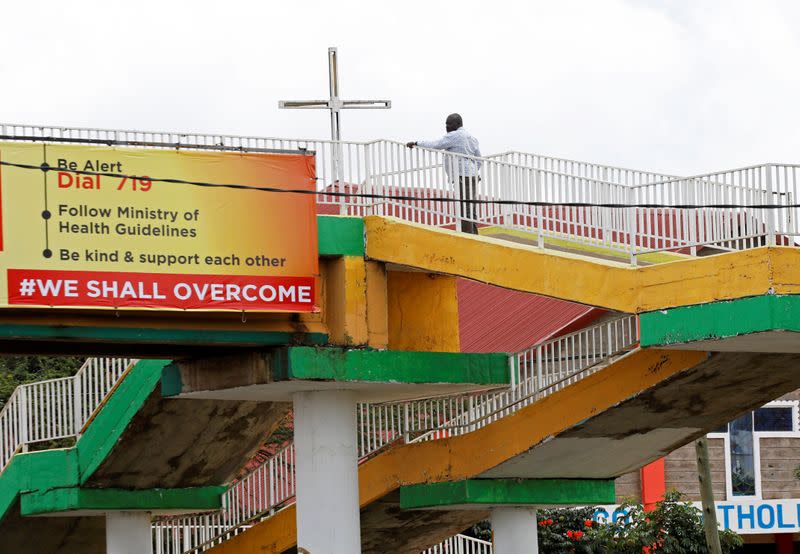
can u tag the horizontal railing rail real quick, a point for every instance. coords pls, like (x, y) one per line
(537, 372)
(461, 544)
(57, 408)
(547, 197)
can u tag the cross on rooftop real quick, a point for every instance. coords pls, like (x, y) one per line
(334, 103)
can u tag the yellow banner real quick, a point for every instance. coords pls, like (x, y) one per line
(119, 237)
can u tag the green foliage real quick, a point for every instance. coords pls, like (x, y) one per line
(17, 370)
(674, 527)
(570, 530)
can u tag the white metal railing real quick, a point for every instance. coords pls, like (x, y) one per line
(589, 170)
(56, 408)
(538, 372)
(461, 544)
(411, 184)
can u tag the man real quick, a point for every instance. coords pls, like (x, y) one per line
(459, 169)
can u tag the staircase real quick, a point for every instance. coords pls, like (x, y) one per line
(57, 408)
(539, 372)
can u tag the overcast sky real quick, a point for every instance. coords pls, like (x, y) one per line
(683, 86)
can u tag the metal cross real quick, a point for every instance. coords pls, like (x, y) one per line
(334, 103)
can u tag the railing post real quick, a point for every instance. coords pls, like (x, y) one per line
(368, 184)
(630, 223)
(539, 382)
(24, 431)
(693, 222)
(406, 424)
(539, 209)
(77, 404)
(337, 173)
(770, 219)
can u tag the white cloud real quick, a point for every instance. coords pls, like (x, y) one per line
(676, 86)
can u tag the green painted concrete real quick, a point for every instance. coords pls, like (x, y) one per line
(340, 236)
(390, 366)
(720, 320)
(37, 471)
(171, 382)
(174, 336)
(64, 470)
(76, 498)
(505, 492)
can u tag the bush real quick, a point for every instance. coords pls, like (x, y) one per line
(674, 527)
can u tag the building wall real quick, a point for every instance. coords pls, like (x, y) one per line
(680, 469)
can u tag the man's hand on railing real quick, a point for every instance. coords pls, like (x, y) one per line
(411, 144)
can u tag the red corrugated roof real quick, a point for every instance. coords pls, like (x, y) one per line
(493, 319)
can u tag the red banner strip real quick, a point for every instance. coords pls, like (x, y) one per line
(109, 289)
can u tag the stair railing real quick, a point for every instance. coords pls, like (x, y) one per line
(538, 372)
(57, 408)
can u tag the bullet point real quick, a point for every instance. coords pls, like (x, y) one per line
(46, 214)
(47, 253)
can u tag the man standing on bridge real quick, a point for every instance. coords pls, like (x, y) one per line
(459, 169)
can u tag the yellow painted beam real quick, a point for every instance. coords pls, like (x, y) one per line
(583, 279)
(377, 305)
(423, 312)
(468, 455)
(345, 284)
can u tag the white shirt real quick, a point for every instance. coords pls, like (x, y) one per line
(459, 142)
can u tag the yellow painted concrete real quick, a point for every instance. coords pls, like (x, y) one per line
(377, 305)
(469, 455)
(423, 312)
(345, 284)
(583, 279)
(590, 249)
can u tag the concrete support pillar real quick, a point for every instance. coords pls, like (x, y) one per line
(328, 517)
(128, 533)
(515, 531)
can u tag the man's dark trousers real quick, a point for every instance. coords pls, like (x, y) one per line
(467, 186)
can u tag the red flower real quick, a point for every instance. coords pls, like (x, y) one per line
(578, 534)
(550, 521)
(646, 549)
(588, 523)
(569, 534)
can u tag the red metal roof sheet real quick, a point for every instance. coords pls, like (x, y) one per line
(493, 319)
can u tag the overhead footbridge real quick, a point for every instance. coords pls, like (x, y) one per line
(695, 279)
(625, 391)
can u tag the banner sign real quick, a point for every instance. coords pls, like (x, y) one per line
(746, 517)
(126, 241)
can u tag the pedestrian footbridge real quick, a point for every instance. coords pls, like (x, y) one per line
(694, 281)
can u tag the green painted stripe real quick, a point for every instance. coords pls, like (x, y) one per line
(500, 492)
(76, 498)
(176, 336)
(340, 236)
(390, 366)
(720, 320)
